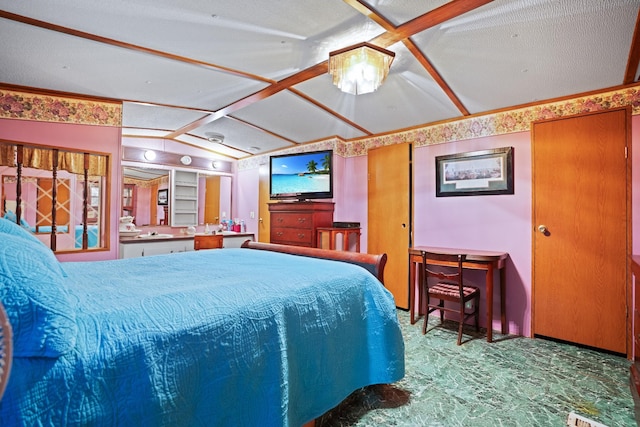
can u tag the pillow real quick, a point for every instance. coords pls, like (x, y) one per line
(10, 216)
(9, 226)
(37, 303)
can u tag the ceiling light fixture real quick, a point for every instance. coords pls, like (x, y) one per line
(214, 137)
(150, 155)
(360, 68)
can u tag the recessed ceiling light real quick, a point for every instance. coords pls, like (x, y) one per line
(185, 160)
(216, 164)
(254, 148)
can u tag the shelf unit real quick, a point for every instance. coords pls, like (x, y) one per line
(184, 198)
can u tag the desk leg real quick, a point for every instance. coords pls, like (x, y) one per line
(489, 302)
(503, 311)
(412, 286)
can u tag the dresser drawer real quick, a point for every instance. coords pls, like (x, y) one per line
(295, 223)
(293, 219)
(294, 236)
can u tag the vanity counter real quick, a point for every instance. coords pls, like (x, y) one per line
(163, 243)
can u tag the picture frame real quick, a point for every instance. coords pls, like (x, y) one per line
(475, 173)
(163, 197)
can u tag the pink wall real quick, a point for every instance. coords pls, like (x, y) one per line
(100, 139)
(245, 198)
(501, 222)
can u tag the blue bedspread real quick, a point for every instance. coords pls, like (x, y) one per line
(231, 337)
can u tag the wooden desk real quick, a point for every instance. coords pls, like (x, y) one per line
(476, 260)
(333, 233)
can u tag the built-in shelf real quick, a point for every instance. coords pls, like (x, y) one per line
(184, 198)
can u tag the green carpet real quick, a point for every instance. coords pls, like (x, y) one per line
(513, 381)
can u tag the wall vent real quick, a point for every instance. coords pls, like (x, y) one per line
(576, 420)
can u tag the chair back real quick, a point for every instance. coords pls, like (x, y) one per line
(6, 349)
(455, 260)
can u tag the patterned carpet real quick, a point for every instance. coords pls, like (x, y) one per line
(514, 381)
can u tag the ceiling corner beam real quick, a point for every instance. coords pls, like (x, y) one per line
(424, 61)
(371, 13)
(272, 89)
(437, 16)
(330, 111)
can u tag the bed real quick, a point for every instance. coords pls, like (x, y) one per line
(232, 337)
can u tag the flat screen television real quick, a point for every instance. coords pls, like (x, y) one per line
(301, 176)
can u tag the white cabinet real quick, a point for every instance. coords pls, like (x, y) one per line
(235, 240)
(184, 198)
(160, 247)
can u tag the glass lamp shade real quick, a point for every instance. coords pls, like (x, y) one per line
(360, 68)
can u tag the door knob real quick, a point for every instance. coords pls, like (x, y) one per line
(542, 228)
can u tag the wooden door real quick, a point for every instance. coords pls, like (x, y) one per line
(212, 200)
(264, 218)
(389, 221)
(580, 214)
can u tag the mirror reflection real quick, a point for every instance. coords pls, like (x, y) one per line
(140, 195)
(147, 195)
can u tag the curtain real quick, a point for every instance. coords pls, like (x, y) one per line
(7, 155)
(42, 158)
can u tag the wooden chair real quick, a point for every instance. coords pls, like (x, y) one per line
(449, 287)
(6, 350)
(207, 241)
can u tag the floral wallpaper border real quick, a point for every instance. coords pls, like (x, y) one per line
(46, 108)
(516, 120)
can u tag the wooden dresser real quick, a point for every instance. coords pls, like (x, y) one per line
(295, 223)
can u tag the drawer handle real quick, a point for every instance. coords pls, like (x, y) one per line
(300, 235)
(279, 233)
(279, 219)
(302, 219)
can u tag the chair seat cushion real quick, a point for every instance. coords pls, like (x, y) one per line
(451, 290)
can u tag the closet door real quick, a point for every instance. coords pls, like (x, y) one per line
(581, 209)
(389, 220)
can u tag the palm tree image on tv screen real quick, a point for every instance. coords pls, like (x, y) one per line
(301, 173)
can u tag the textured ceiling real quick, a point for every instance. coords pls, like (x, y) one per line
(256, 71)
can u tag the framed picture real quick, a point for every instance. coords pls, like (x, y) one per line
(163, 197)
(475, 173)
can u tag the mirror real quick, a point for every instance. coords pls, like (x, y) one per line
(140, 195)
(144, 190)
(57, 195)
